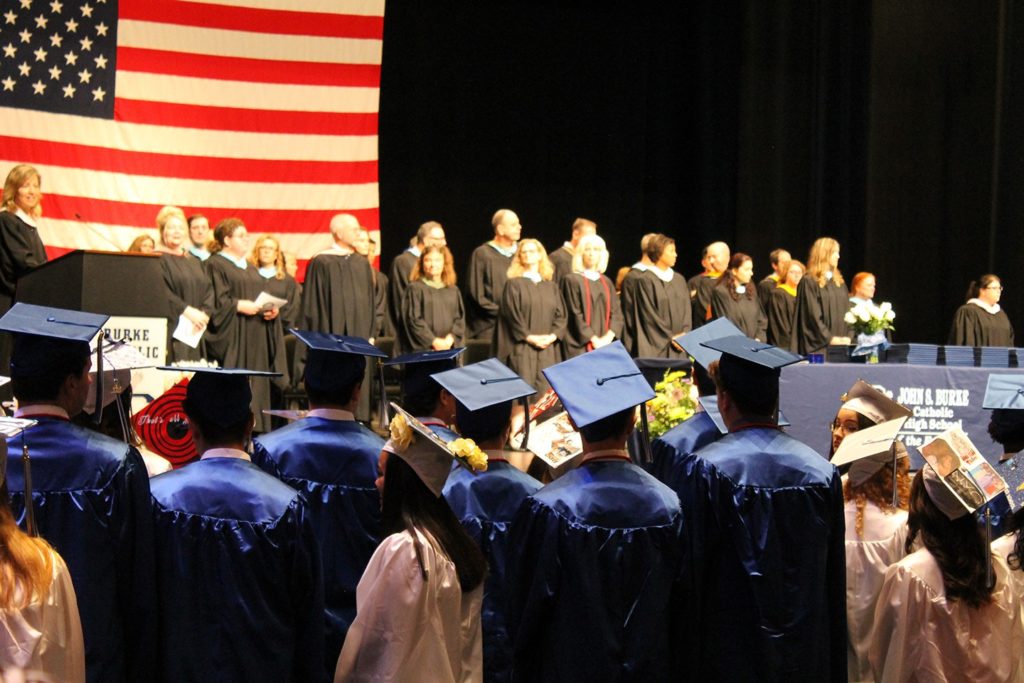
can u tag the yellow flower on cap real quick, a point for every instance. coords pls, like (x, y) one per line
(401, 432)
(469, 453)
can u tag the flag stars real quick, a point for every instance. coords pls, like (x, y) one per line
(26, 36)
(87, 10)
(8, 84)
(69, 91)
(41, 21)
(71, 25)
(40, 54)
(101, 29)
(86, 44)
(101, 62)
(10, 50)
(24, 68)
(56, 39)
(10, 17)
(71, 58)
(55, 73)
(39, 87)
(84, 76)
(98, 94)
(56, 6)
(26, 4)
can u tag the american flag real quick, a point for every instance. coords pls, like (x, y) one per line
(262, 109)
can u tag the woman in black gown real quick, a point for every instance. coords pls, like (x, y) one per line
(189, 292)
(822, 301)
(781, 306)
(268, 259)
(433, 316)
(531, 318)
(593, 313)
(244, 334)
(981, 321)
(734, 298)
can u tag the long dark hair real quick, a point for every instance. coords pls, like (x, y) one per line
(407, 503)
(958, 546)
(729, 281)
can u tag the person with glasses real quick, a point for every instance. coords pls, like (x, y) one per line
(981, 321)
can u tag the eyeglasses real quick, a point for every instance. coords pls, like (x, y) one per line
(846, 428)
(997, 288)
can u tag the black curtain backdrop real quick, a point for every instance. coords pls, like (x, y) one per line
(889, 126)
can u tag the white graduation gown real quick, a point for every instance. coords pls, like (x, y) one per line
(46, 635)
(410, 629)
(920, 636)
(867, 558)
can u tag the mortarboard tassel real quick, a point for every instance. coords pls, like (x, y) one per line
(383, 419)
(990, 579)
(895, 489)
(645, 436)
(526, 423)
(30, 514)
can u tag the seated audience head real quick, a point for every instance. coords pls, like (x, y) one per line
(217, 404)
(22, 191)
(591, 254)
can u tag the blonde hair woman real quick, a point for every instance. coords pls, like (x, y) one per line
(822, 301)
(189, 291)
(593, 313)
(531, 316)
(268, 260)
(21, 249)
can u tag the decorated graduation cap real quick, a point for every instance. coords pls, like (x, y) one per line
(428, 456)
(419, 366)
(483, 392)
(1004, 392)
(11, 427)
(864, 399)
(693, 342)
(869, 450)
(119, 359)
(601, 383)
(43, 335)
(335, 361)
(220, 395)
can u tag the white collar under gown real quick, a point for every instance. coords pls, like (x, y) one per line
(46, 635)
(919, 635)
(411, 628)
(867, 557)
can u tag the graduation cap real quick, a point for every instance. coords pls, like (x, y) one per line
(119, 359)
(864, 399)
(869, 450)
(335, 361)
(11, 427)
(42, 334)
(710, 406)
(220, 395)
(483, 391)
(1004, 396)
(600, 383)
(749, 366)
(693, 342)
(428, 456)
(419, 367)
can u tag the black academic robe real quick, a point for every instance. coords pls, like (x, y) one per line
(187, 285)
(21, 250)
(381, 287)
(660, 311)
(245, 341)
(430, 313)
(561, 259)
(485, 281)
(627, 302)
(701, 287)
(285, 288)
(339, 295)
(820, 315)
(974, 326)
(744, 312)
(398, 281)
(764, 292)
(781, 317)
(591, 309)
(529, 307)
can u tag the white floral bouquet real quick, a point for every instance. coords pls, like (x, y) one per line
(867, 318)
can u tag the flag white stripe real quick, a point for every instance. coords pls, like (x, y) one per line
(66, 234)
(138, 189)
(246, 94)
(369, 8)
(83, 130)
(248, 44)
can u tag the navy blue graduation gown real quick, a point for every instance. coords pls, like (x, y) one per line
(486, 504)
(766, 561)
(334, 464)
(92, 504)
(241, 590)
(592, 588)
(670, 449)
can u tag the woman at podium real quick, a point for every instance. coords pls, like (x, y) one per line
(189, 293)
(981, 321)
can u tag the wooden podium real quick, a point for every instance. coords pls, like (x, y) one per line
(106, 282)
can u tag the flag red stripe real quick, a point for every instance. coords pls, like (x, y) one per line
(246, 120)
(108, 212)
(251, 19)
(240, 69)
(45, 153)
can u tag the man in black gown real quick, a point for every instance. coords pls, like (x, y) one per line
(338, 296)
(488, 271)
(779, 259)
(561, 258)
(430, 234)
(715, 259)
